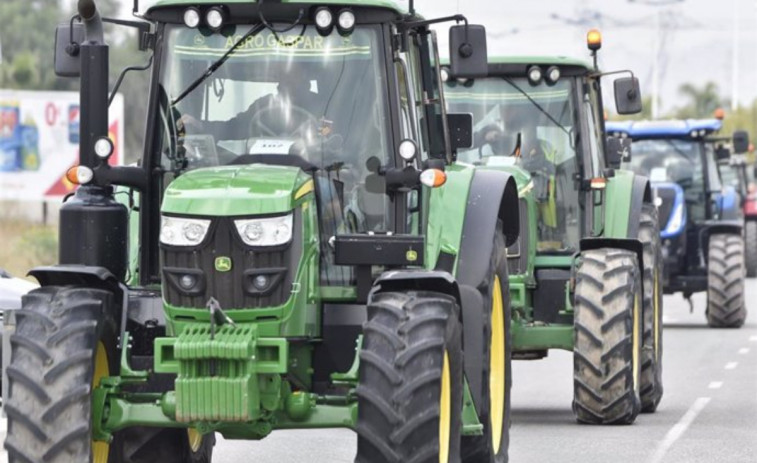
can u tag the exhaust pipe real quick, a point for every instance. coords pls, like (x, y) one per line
(93, 226)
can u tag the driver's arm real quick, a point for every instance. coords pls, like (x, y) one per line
(236, 128)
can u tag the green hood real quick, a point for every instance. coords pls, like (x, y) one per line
(254, 189)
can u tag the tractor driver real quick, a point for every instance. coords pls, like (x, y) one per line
(282, 114)
(536, 156)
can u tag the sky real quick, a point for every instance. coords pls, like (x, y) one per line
(696, 37)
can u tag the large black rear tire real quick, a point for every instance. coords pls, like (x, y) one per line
(651, 354)
(607, 337)
(492, 446)
(410, 389)
(65, 341)
(750, 247)
(725, 282)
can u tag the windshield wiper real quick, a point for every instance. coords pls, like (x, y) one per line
(218, 63)
(538, 106)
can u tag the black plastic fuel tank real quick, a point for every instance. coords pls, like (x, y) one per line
(93, 230)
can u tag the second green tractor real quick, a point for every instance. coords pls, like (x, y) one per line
(584, 274)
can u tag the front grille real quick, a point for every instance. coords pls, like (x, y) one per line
(233, 289)
(668, 197)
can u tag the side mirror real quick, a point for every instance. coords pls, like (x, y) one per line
(740, 141)
(467, 51)
(627, 95)
(722, 153)
(618, 151)
(67, 41)
(460, 130)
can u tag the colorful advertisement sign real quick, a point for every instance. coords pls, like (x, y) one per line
(39, 142)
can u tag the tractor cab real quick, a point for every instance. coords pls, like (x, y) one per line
(530, 121)
(698, 211)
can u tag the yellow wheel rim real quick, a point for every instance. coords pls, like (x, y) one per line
(444, 412)
(195, 439)
(100, 449)
(636, 340)
(497, 366)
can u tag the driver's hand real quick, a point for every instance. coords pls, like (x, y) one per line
(188, 121)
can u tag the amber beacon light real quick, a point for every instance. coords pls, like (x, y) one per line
(594, 39)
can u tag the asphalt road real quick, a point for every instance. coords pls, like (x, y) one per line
(708, 413)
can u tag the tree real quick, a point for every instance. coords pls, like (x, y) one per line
(702, 102)
(27, 38)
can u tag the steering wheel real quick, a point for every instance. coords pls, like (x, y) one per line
(289, 120)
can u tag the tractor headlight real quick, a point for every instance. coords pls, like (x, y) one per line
(346, 21)
(215, 18)
(192, 17)
(269, 231)
(176, 231)
(324, 20)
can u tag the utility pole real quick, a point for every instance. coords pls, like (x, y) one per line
(656, 65)
(657, 50)
(735, 58)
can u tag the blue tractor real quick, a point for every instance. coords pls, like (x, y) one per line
(701, 220)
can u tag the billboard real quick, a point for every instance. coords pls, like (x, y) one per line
(39, 142)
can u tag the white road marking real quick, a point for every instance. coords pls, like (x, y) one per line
(716, 385)
(3, 430)
(731, 365)
(679, 429)
(753, 338)
(744, 350)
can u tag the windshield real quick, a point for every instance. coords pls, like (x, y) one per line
(668, 160)
(319, 99)
(677, 161)
(542, 118)
(532, 127)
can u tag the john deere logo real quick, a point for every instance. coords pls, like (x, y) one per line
(411, 256)
(223, 264)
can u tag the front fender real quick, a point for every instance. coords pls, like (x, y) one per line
(625, 194)
(491, 196)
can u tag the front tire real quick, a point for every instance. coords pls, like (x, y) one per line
(607, 338)
(651, 354)
(725, 282)
(411, 380)
(65, 342)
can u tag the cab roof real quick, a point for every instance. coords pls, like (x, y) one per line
(541, 61)
(518, 66)
(394, 6)
(686, 128)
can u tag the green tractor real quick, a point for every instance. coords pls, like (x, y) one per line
(295, 248)
(584, 274)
